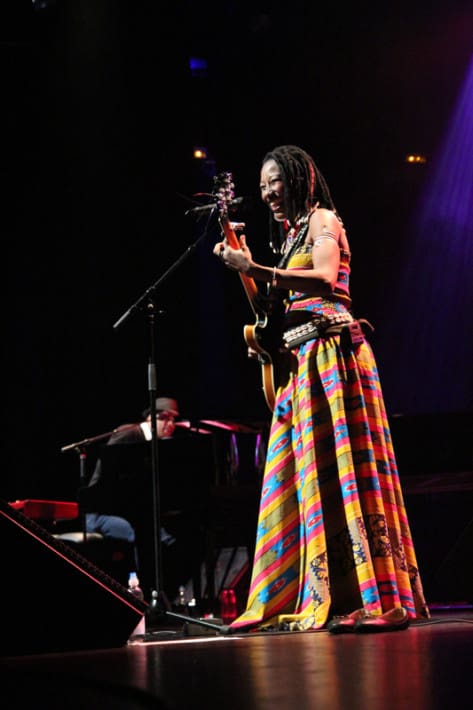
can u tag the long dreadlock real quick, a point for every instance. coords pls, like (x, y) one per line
(304, 187)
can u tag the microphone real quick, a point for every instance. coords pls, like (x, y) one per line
(204, 209)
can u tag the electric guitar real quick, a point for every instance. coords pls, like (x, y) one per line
(263, 337)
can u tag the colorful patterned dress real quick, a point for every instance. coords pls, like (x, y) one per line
(333, 534)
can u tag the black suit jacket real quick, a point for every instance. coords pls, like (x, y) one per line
(124, 434)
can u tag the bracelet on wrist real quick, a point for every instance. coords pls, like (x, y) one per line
(274, 278)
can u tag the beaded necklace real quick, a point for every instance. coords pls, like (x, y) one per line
(295, 237)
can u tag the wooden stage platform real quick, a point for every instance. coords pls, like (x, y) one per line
(427, 666)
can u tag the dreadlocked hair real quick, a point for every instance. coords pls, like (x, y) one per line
(304, 187)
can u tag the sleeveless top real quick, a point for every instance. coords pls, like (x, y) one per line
(337, 302)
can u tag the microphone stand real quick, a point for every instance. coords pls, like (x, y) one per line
(147, 304)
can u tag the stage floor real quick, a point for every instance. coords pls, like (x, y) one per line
(429, 665)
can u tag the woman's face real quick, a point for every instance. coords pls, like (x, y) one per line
(272, 189)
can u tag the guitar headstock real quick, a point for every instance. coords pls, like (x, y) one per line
(224, 192)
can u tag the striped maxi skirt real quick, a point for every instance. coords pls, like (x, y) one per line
(333, 534)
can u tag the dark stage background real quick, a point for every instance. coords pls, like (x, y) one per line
(101, 115)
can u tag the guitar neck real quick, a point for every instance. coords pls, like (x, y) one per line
(249, 284)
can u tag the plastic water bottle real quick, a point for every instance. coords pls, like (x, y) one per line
(154, 612)
(182, 601)
(135, 589)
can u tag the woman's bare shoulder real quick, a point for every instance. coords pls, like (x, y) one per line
(324, 223)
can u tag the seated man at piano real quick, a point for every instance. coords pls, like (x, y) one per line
(119, 499)
(102, 520)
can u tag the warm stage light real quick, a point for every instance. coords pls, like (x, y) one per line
(200, 153)
(415, 158)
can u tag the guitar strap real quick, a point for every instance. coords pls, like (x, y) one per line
(271, 302)
(287, 255)
(295, 244)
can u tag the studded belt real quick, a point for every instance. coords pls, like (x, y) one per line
(324, 326)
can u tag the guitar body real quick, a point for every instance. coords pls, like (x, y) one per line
(270, 382)
(264, 338)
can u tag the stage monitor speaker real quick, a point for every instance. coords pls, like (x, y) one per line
(54, 599)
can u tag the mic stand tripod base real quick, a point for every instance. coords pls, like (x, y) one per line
(205, 628)
(156, 621)
(161, 622)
